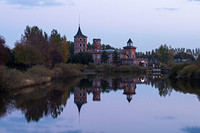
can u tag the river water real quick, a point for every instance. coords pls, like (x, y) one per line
(103, 104)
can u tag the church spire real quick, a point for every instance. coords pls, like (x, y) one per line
(79, 33)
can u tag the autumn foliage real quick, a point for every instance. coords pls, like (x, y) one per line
(35, 47)
(5, 53)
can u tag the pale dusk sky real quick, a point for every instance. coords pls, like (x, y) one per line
(149, 23)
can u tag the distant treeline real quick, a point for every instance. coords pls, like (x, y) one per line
(167, 55)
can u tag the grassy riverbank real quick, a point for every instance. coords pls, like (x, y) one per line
(15, 79)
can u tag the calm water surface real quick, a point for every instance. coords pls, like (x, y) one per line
(103, 104)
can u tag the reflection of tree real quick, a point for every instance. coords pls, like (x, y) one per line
(162, 84)
(191, 87)
(85, 83)
(104, 84)
(115, 84)
(5, 103)
(51, 103)
(44, 101)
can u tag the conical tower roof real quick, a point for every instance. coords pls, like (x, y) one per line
(129, 99)
(129, 41)
(79, 33)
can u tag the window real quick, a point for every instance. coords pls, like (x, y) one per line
(80, 39)
(80, 45)
(83, 50)
(98, 56)
(83, 45)
(98, 83)
(80, 50)
(84, 39)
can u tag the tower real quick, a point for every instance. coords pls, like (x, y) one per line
(130, 49)
(97, 44)
(80, 97)
(80, 42)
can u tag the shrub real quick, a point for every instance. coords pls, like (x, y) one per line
(124, 69)
(176, 69)
(108, 68)
(66, 70)
(189, 72)
(10, 78)
(39, 71)
(92, 66)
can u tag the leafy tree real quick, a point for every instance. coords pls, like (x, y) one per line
(60, 43)
(26, 55)
(198, 58)
(116, 59)
(163, 54)
(83, 58)
(71, 50)
(65, 49)
(104, 57)
(104, 47)
(5, 53)
(35, 48)
(183, 55)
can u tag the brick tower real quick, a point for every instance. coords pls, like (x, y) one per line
(80, 42)
(97, 44)
(80, 97)
(130, 49)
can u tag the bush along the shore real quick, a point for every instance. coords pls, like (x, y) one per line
(10, 78)
(185, 71)
(14, 79)
(109, 68)
(66, 70)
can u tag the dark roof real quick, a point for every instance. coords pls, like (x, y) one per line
(129, 99)
(79, 33)
(129, 41)
(79, 105)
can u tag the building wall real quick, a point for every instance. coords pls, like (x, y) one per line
(130, 52)
(97, 44)
(80, 44)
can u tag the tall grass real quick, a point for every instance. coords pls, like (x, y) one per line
(10, 78)
(66, 70)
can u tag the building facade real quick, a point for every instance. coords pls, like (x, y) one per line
(127, 56)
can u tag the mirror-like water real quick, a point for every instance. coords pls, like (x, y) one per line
(103, 104)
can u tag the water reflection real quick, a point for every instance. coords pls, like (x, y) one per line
(50, 99)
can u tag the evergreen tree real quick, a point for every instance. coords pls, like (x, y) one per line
(104, 57)
(116, 59)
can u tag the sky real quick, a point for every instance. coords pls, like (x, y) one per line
(149, 23)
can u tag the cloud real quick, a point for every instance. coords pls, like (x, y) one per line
(165, 118)
(167, 9)
(191, 129)
(34, 3)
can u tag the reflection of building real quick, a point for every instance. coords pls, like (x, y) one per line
(127, 55)
(80, 97)
(128, 85)
(96, 94)
(96, 90)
